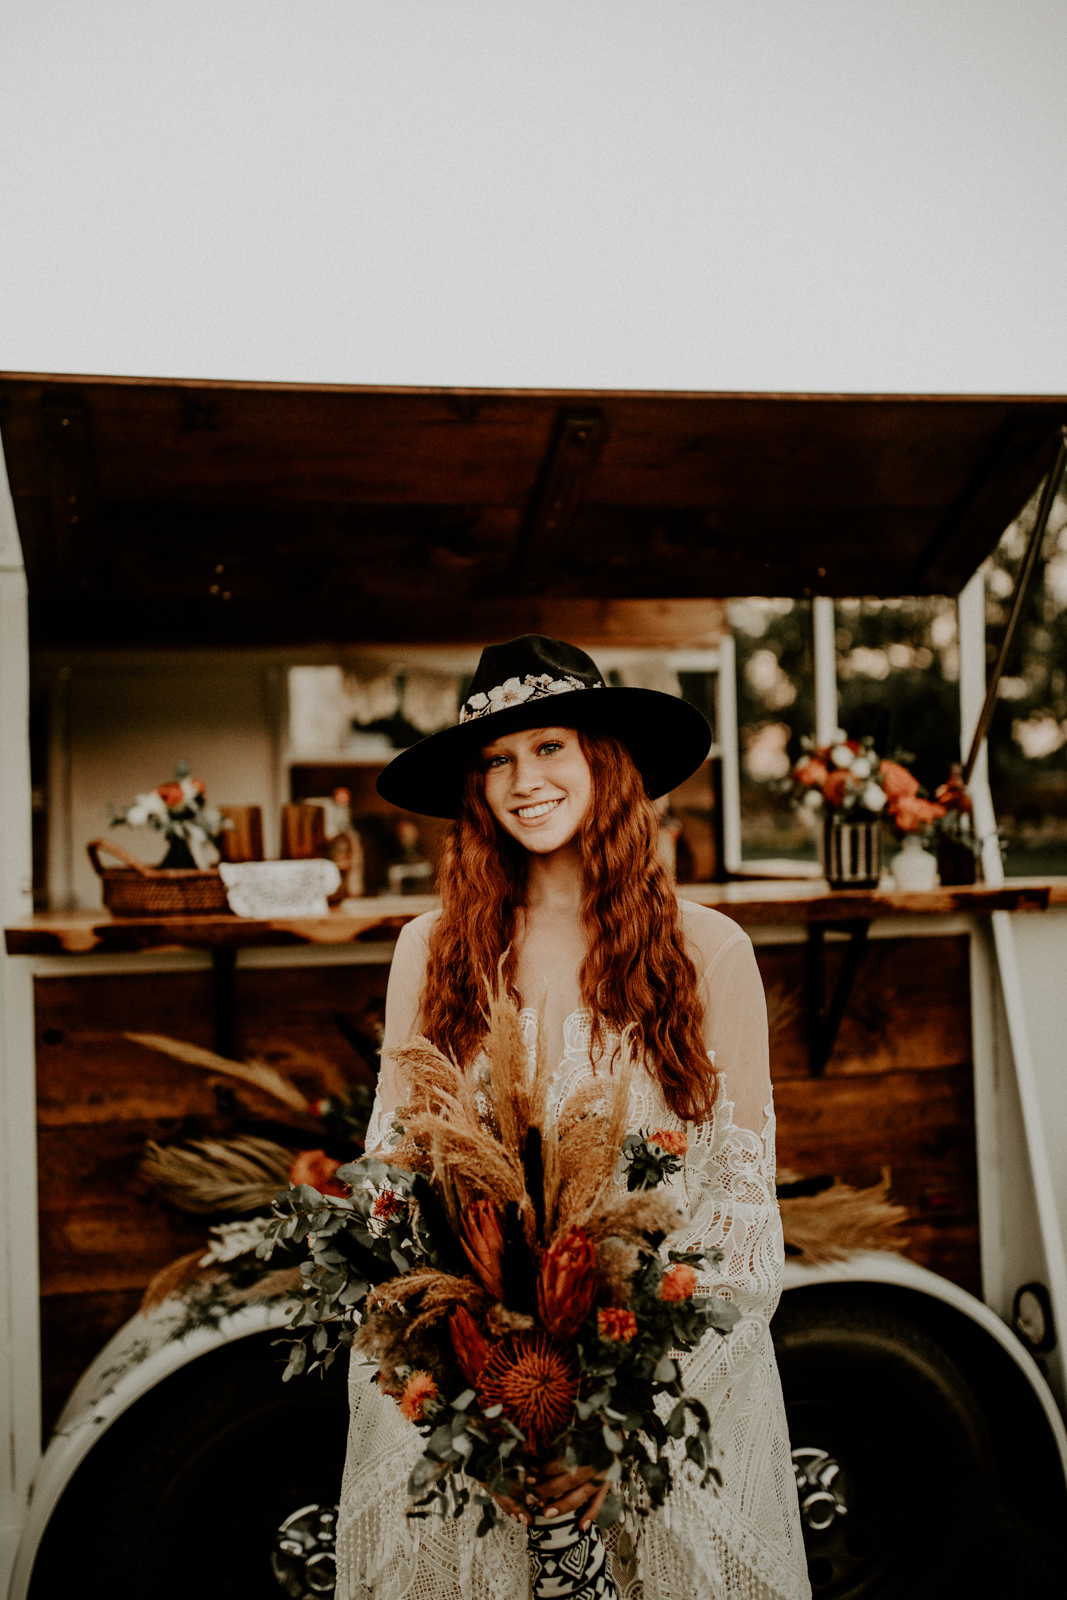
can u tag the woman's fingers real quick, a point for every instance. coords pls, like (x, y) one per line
(593, 1508)
(512, 1509)
(559, 1482)
(575, 1496)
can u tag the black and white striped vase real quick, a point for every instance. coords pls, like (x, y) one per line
(567, 1563)
(852, 852)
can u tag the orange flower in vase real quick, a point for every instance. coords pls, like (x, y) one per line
(483, 1245)
(897, 781)
(911, 814)
(567, 1285)
(535, 1382)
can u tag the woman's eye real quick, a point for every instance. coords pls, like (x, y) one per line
(495, 761)
(549, 747)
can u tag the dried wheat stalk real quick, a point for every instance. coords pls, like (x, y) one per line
(263, 1076)
(218, 1175)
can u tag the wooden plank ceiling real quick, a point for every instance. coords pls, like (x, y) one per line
(187, 512)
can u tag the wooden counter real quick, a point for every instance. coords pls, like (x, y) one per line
(750, 903)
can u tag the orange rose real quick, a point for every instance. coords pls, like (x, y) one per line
(316, 1168)
(811, 773)
(417, 1392)
(617, 1326)
(679, 1282)
(170, 794)
(897, 781)
(834, 788)
(673, 1140)
(911, 814)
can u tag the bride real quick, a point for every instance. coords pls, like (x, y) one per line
(553, 868)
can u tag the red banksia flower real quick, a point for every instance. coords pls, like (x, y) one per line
(673, 1140)
(567, 1285)
(317, 1168)
(419, 1389)
(619, 1326)
(483, 1245)
(679, 1281)
(535, 1381)
(469, 1343)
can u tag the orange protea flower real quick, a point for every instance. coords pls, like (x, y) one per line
(897, 781)
(834, 788)
(679, 1282)
(619, 1326)
(535, 1381)
(469, 1343)
(813, 774)
(912, 814)
(170, 794)
(317, 1168)
(568, 1284)
(388, 1205)
(673, 1140)
(419, 1389)
(484, 1245)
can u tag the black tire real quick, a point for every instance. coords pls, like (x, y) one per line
(914, 1489)
(183, 1496)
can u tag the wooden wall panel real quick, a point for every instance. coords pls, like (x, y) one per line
(909, 1007)
(897, 1092)
(103, 1231)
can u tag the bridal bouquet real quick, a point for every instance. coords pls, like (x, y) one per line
(503, 1270)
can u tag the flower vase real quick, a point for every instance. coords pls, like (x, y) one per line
(178, 855)
(957, 863)
(915, 869)
(567, 1563)
(852, 852)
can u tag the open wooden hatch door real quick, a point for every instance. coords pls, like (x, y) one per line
(186, 512)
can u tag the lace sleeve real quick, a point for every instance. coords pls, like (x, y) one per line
(403, 1003)
(729, 1167)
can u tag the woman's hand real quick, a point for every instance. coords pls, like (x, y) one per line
(564, 1493)
(511, 1507)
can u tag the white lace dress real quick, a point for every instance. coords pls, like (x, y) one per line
(742, 1542)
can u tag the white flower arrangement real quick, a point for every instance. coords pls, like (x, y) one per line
(179, 811)
(514, 691)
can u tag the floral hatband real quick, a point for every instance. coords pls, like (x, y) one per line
(515, 691)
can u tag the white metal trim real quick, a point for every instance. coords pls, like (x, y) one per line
(824, 649)
(884, 1266)
(726, 733)
(20, 1378)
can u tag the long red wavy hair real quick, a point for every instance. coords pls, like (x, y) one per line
(636, 970)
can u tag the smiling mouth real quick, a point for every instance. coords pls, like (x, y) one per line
(532, 813)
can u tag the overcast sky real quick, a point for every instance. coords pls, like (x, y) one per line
(794, 194)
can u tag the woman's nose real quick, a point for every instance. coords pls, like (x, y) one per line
(527, 778)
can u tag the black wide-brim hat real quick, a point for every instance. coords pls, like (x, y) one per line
(536, 682)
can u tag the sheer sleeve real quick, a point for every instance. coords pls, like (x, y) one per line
(403, 1005)
(729, 1167)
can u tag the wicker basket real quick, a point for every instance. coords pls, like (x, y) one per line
(139, 891)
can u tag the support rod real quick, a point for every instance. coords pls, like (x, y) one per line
(1022, 584)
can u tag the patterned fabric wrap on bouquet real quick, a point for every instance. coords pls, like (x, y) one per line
(567, 1563)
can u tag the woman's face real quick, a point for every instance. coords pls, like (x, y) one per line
(538, 786)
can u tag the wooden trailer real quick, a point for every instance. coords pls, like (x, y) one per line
(208, 535)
